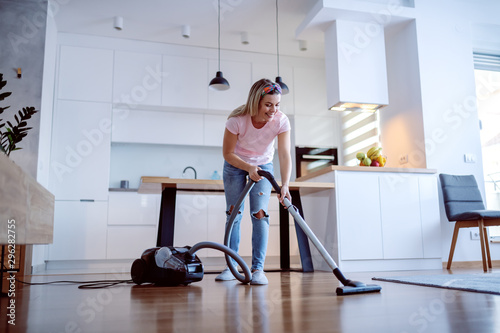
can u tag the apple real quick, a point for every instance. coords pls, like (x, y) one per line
(375, 163)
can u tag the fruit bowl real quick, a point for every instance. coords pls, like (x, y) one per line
(373, 157)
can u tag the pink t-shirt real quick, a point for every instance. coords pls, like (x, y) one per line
(256, 146)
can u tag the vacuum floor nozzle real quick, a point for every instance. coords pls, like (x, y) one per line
(365, 288)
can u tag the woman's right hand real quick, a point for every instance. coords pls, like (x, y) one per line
(252, 173)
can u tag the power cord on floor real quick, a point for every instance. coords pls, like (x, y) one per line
(97, 284)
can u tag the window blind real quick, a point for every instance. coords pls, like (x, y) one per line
(487, 62)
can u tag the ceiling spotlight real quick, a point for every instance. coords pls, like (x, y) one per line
(118, 23)
(186, 31)
(244, 38)
(302, 45)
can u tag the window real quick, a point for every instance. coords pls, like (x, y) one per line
(360, 132)
(487, 75)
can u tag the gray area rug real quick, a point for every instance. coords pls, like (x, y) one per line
(481, 283)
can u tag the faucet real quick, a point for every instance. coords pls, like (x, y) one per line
(190, 167)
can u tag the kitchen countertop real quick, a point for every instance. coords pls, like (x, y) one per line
(155, 185)
(362, 169)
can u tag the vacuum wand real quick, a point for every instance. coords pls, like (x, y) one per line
(350, 287)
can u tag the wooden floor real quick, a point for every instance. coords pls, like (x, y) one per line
(292, 302)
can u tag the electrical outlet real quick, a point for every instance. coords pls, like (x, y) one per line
(474, 235)
(403, 159)
(470, 158)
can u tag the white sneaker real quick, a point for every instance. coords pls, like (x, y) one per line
(258, 277)
(226, 275)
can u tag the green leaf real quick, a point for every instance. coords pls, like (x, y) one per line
(5, 95)
(2, 82)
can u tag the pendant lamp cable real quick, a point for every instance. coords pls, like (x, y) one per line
(218, 33)
(277, 40)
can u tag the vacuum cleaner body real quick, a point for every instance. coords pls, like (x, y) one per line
(178, 268)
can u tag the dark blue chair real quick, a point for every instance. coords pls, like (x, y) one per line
(464, 204)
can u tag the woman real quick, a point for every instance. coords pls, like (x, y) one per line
(248, 146)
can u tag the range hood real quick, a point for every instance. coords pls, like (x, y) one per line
(355, 63)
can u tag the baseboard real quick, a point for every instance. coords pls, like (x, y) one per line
(37, 269)
(470, 264)
(211, 264)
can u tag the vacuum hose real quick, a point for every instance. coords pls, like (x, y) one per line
(228, 252)
(229, 228)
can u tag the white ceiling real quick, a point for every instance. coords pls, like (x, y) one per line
(162, 21)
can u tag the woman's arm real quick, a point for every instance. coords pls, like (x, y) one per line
(228, 145)
(285, 164)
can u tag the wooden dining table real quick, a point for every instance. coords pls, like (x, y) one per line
(168, 188)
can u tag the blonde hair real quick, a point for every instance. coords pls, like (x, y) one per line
(254, 96)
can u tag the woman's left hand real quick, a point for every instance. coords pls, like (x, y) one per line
(285, 193)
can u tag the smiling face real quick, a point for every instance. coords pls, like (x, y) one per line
(268, 107)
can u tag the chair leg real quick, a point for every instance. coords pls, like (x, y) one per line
(482, 238)
(487, 243)
(453, 244)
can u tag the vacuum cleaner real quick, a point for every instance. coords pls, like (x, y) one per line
(173, 266)
(349, 286)
(181, 266)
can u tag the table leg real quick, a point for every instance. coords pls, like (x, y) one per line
(167, 218)
(302, 240)
(1, 271)
(284, 239)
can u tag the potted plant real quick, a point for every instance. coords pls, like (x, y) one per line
(11, 135)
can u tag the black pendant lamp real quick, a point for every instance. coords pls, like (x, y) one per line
(284, 87)
(219, 82)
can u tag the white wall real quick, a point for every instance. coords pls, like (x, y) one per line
(49, 65)
(451, 127)
(401, 122)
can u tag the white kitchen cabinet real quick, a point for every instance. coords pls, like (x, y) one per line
(85, 74)
(400, 213)
(132, 224)
(385, 215)
(315, 125)
(270, 71)
(213, 130)
(378, 219)
(132, 208)
(137, 78)
(159, 127)
(79, 231)
(80, 158)
(360, 226)
(238, 74)
(128, 242)
(312, 131)
(430, 217)
(185, 82)
(191, 220)
(310, 91)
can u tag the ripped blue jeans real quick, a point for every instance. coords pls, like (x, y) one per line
(234, 182)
